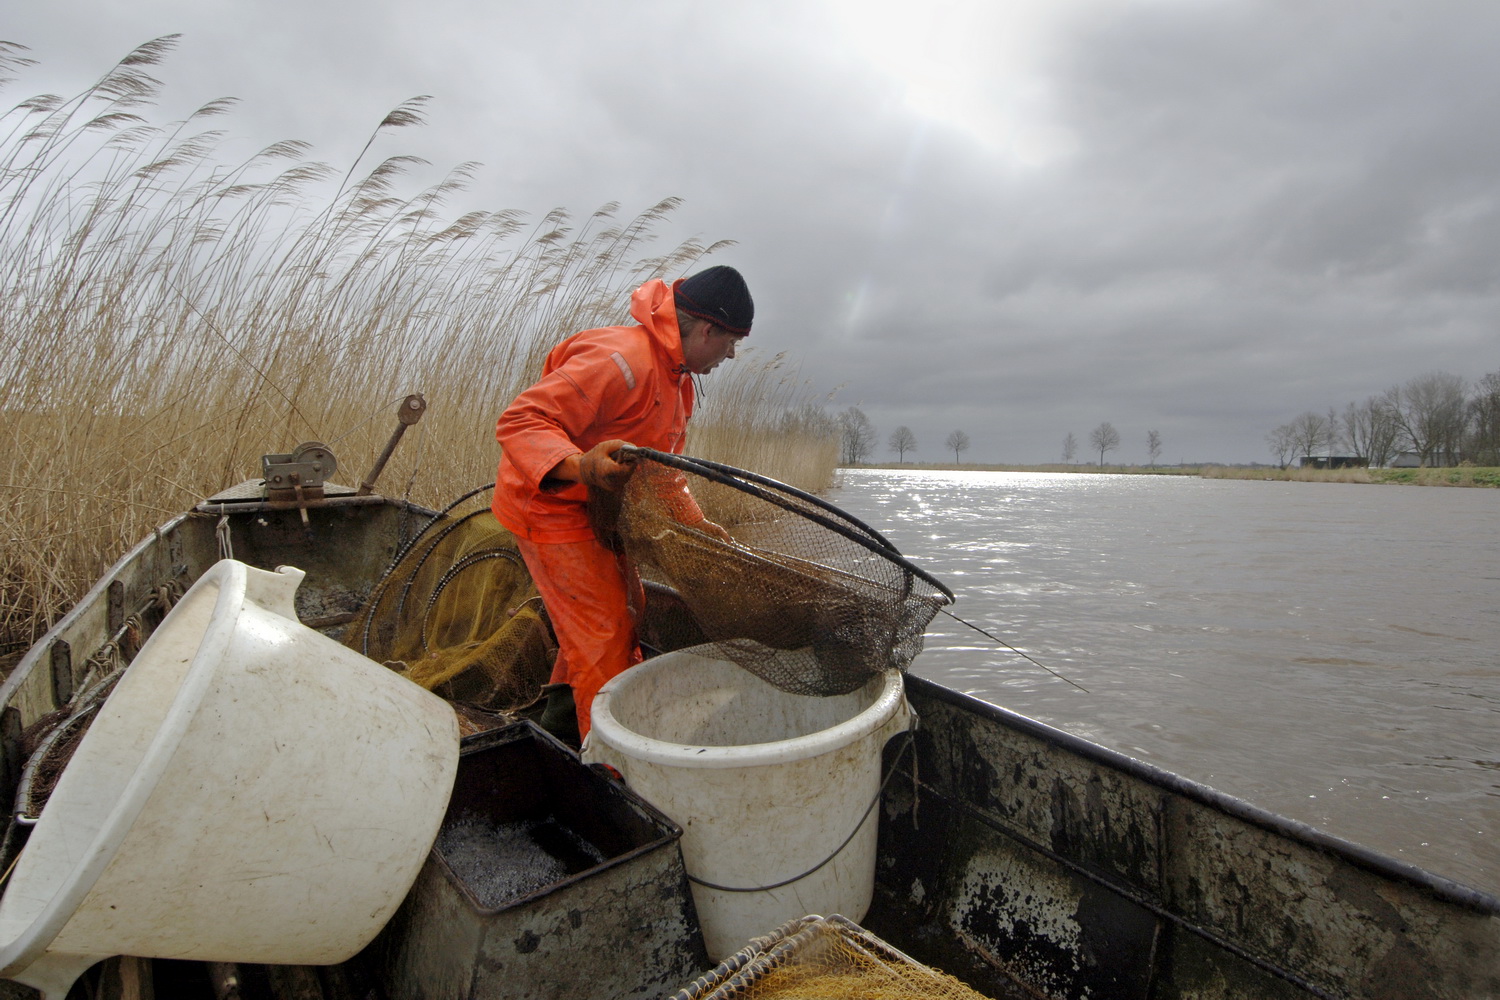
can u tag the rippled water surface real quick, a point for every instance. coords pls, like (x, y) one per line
(1327, 651)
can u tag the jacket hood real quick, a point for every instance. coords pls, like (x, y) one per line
(653, 306)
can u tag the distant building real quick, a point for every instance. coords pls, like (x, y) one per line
(1335, 462)
(1407, 460)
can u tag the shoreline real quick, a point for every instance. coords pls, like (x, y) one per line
(1462, 476)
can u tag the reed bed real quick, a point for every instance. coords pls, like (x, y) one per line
(168, 315)
(761, 415)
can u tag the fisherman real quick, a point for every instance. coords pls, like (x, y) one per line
(601, 390)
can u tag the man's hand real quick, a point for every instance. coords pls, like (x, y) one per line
(597, 467)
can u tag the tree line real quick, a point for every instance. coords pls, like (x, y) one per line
(1105, 439)
(857, 439)
(1438, 418)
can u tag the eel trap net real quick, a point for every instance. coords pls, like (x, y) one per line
(458, 614)
(806, 597)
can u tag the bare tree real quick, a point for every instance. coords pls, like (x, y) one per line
(1484, 411)
(857, 435)
(1070, 447)
(902, 441)
(959, 442)
(1104, 438)
(1370, 431)
(1431, 412)
(1310, 434)
(1153, 447)
(1280, 442)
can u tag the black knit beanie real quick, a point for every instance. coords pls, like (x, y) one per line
(718, 295)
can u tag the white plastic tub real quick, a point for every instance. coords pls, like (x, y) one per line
(252, 791)
(765, 784)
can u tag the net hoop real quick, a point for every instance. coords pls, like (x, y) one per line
(752, 483)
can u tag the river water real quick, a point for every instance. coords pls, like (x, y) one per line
(1327, 651)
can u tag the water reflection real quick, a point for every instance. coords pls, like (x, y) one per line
(1324, 650)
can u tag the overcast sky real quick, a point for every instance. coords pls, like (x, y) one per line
(1017, 219)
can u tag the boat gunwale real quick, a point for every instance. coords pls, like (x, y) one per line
(1445, 889)
(43, 645)
(40, 648)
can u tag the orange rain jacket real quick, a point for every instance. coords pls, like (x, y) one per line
(625, 382)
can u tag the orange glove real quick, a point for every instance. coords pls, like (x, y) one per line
(597, 467)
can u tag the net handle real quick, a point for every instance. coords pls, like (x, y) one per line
(749, 482)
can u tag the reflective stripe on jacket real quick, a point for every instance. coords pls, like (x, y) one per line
(624, 382)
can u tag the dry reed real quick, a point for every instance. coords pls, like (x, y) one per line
(760, 415)
(169, 316)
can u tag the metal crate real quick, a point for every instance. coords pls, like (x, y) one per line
(608, 929)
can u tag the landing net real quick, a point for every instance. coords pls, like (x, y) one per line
(799, 576)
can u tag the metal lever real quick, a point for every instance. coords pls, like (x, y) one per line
(412, 408)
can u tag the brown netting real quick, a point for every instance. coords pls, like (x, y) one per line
(799, 575)
(458, 614)
(817, 958)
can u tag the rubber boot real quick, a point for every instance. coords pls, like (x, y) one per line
(560, 717)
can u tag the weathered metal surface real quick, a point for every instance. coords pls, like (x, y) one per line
(178, 551)
(343, 550)
(621, 929)
(250, 495)
(1337, 923)
(115, 613)
(300, 475)
(1079, 873)
(1005, 919)
(60, 655)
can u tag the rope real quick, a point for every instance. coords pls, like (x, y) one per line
(1013, 649)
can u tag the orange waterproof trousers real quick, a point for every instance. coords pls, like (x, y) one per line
(585, 589)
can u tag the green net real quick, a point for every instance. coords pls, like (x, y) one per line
(459, 615)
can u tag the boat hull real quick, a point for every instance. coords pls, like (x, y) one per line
(1035, 861)
(1022, 859)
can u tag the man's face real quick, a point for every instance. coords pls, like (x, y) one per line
(705, 345)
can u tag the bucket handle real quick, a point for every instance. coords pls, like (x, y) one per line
(907, 728)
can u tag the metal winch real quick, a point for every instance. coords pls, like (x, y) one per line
(300, 475)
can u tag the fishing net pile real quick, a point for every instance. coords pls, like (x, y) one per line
(817, 958)
(804, 596)
(458, 614)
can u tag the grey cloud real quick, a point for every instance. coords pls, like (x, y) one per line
(1261, 208)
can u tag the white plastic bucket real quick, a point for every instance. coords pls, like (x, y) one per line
(765, 784)
(252, 791)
